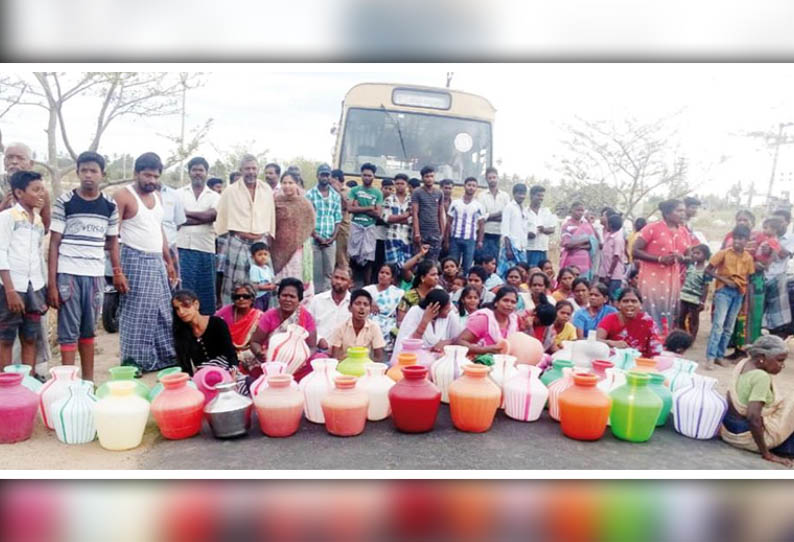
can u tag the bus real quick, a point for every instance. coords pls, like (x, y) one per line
(402, 128)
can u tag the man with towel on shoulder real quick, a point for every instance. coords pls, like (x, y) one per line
(247, 213)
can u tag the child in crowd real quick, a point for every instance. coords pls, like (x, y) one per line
(469, 302)
(581, 293)
(513, 278)
(488, 262)
(540, 324)
(639, 223)
(458, 283)
(564, 284)
(477, 277)
(358, 330)
(611, 267)
(587, 319)
(768, 243)
(677, 343)
(731, 268)
(261, 275)
(564, 330)
(694, 291)
(632, 280)
(22, 294)
(548, 268)
(449, 270)
(525, 272)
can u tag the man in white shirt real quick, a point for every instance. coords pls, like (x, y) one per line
(514, 230)
(494, 201)
(330, 309)
(195, 239)
(541, 224)
(173, 218)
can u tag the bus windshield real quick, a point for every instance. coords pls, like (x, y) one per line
(405, 142)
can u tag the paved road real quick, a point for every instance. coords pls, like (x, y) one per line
(508, 445)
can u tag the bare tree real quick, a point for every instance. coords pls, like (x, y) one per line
(634, 159)
(11, 95)
(117, 94)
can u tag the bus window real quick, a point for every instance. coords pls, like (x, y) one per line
(405, 142)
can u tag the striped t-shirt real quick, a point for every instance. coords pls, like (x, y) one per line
(465, 218)
(84, 225)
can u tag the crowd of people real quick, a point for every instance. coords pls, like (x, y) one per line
(208, 273)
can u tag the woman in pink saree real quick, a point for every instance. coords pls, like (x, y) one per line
(661, 250)
(579, 242)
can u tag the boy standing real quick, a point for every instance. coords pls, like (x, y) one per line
(365, 206)
(84, 223)
(730, 267)
(694, 291)
(427, 211)
(261, 275)
(514, 231)
(465, 228)
(22, 299)
(397, 214)
(611, 267)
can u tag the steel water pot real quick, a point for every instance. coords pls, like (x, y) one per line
(229, 413)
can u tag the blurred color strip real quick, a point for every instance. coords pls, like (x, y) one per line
(347, 511)
(374, 30)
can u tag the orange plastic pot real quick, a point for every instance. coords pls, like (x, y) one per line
(404, 359)
(473, 399)
(584, 409)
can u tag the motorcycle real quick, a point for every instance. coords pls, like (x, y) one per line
(111, 301)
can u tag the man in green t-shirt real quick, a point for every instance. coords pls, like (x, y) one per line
(365, 207)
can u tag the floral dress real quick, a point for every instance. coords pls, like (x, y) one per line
(387, 301)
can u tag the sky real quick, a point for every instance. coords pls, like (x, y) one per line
(290, 109)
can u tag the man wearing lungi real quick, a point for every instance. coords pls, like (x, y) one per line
(196, 238)
(145, 332)
(247, 212)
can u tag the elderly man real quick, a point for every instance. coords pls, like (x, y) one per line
(19, 157)
(246, 211)
(195, 240)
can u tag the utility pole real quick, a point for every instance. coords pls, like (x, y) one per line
(183, 77)
(778, 141)
(750, 194)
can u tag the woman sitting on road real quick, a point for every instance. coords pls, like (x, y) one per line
(277, 319)
(200, 340)
(242, 319)
(630, 327)
(486, 329)
(760, 418)
(433, 320)
(587, 319)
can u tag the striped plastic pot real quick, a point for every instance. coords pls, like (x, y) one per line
(698, 409)
(525, 395)
(73, 415)
(55, 388)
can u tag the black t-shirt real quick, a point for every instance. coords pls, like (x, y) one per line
(214, 344)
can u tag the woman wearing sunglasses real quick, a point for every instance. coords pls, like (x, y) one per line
(242, 318)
